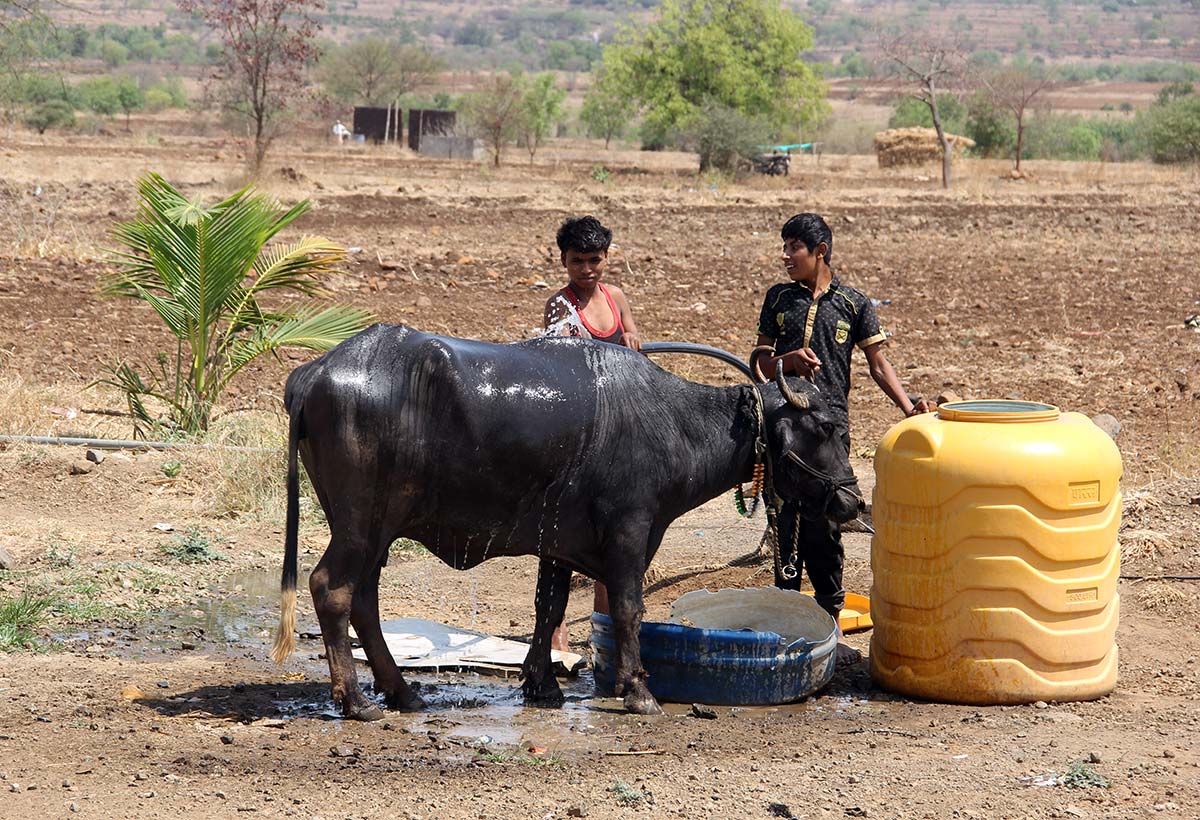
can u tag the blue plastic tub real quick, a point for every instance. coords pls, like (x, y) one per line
(738, 663)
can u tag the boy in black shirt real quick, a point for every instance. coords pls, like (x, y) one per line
(813, 324)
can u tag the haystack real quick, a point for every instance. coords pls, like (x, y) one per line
(915, 146)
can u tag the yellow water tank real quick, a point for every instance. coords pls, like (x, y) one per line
(995, 555)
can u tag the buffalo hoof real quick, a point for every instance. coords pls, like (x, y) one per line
(642, 704)
(546, 694)
(405, 701)
(365, 713)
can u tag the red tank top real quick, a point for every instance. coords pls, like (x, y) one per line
(612, 336)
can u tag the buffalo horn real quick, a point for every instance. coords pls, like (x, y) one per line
(797, 400)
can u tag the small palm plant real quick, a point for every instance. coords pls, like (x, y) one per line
(203, 271)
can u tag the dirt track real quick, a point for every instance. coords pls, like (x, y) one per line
(1071, 289)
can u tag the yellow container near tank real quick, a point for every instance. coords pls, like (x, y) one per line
(995, 555)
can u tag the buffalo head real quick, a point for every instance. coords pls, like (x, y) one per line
(811, 464)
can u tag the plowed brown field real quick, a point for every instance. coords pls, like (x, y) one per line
(1070, 288)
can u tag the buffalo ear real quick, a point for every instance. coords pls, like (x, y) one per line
(797, 400)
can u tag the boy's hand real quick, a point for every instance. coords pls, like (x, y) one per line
(631, 340)
(922, 405)
(803, 362)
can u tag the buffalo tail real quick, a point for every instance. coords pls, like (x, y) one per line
(285, 634)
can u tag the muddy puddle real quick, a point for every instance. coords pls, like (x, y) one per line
(233, 615)
(477, 713)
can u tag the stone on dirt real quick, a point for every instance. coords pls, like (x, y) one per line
(6, 560)
(1108, 424)
(95, 456)
(82, 467)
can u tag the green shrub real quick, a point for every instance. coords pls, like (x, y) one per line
(1174, 91)
(42, 88)
(192, 547)
(912, 113)
(51, 114)
(174, 87)
(113, 53)
(158, 99)
(1173, 130)
(1062, 136)
(993, 128)
(100, 95)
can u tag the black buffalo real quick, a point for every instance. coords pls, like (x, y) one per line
(577, 452)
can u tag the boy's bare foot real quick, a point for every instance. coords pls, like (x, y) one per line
(559, 640)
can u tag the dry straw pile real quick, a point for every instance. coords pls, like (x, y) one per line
(914, 146)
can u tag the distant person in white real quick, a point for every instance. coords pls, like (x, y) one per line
(340, 132)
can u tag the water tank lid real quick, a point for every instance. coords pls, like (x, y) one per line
(997, 411)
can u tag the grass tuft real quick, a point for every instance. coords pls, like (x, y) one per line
(625, 794)
(60, 553)
(1082, 776)
(512, 757)
(192, 546)
(21, 619)
(29, 408)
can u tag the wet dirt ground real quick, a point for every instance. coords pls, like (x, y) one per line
(159, 700)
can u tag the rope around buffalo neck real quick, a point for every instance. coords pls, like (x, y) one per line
(758, 482)
(763, 488)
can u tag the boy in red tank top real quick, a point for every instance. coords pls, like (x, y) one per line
(587, 307)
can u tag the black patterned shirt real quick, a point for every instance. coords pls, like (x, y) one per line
(840, 319)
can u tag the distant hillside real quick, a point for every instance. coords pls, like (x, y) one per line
(567, 35)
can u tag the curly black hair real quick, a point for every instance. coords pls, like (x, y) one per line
(583, 234)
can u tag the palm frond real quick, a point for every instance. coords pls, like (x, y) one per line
(287, 218)
(297, 266)
(128, 381)
(190, 213)
(174, 315)
(232, 241)
(319, 330)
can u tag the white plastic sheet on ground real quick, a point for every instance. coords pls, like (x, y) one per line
(416, 643)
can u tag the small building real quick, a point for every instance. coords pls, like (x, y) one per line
(429, 122)
(378, 124)
(450, 147)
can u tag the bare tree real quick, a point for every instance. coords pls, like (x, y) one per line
(267, 44)
(375, 71)
(932, 63)
(496, 110)
(1014, 87)
(416, 67)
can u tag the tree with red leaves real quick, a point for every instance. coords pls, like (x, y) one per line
(267, 44)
